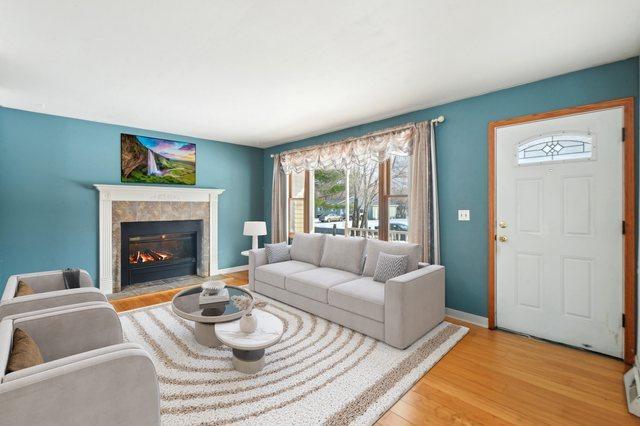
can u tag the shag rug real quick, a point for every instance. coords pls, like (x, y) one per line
(319, 373)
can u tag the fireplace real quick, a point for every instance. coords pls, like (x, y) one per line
(159, 249)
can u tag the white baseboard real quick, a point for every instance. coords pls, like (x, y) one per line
(465, 316)
(232, 269)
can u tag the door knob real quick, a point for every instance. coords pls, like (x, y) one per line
(502, 224)
(502, 239)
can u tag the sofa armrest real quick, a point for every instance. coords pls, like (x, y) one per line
(257, 257)
(64, 331)
(413, 305)
(115, 387)
(52, 299)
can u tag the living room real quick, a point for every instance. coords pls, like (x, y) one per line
(303, 213)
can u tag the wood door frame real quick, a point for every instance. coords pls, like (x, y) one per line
(629, 208)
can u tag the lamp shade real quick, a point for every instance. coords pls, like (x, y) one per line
(255, 228)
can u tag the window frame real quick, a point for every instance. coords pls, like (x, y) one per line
(305, 202)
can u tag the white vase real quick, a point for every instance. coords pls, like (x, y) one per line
(248, 323)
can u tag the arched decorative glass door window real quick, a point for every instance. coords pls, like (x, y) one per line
(559, 146)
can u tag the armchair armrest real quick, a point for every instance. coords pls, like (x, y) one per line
(413, 305)
(65, 331)
(42, 282)
(257, 258)
(52, 299)
(118, 386)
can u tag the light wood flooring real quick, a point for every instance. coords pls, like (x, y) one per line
(494, 378)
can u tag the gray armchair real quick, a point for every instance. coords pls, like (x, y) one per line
(89, 376)
(49, 290)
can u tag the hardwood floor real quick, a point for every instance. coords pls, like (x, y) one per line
(135, 302)
(495, 377)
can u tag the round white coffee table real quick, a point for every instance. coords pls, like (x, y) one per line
(248, 348)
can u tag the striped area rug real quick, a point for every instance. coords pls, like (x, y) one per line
(319, 373)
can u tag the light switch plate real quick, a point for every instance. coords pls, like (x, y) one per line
(464, 215)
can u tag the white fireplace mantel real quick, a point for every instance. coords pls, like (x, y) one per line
(110, 193)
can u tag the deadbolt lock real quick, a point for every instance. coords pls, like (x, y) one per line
(502, 224)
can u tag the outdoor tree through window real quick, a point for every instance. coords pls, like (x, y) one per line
(369, 200)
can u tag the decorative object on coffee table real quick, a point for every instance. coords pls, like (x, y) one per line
(248, 348)
(248, 322)
(186, 304)
(213, 292)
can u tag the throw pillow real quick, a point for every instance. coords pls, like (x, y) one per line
(390, 266)
(24, 352)
(277, 252)
(374, 247)
(23, 289)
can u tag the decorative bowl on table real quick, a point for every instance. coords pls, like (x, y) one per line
(213, 292)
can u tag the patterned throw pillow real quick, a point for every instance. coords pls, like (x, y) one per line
(390, 266)
(277, 252)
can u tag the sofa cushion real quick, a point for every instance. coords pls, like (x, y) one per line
(277, 252)
(375, 247)
(307, 248)
(315, 283)
(25, 352)
(343, 253)
(363, 296)
(275, 273)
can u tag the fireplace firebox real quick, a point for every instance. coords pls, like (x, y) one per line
(159, 249)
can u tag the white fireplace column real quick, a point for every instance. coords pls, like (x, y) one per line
(110, 193)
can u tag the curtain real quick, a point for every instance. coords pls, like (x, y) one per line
(341, 155)
(278, 203)
(423, 194)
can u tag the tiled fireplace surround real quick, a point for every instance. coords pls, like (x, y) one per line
(133, 203)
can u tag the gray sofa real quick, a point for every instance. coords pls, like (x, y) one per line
(49, 292)
(89, 375)
(332, 277)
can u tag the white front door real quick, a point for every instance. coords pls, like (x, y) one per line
(559, 212)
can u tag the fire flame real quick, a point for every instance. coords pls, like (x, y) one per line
(149, 256)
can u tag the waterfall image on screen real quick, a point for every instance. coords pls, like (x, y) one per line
(153, 160)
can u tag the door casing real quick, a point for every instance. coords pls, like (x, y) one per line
(629, 209)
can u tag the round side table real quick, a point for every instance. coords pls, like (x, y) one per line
(248, 348)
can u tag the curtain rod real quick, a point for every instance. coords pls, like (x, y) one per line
(435, 121)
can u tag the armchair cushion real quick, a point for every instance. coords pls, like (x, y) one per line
(24, 289)
(24, 352)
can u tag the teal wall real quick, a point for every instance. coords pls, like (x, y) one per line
(462, 161)
(49, 208)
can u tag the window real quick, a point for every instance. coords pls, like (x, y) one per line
(368, 200)
(556, 147)
(364, 205)
(297, 184)
(330, 206)
(397, 198)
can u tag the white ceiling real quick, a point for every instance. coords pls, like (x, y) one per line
(260, 73)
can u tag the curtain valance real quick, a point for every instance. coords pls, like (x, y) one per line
(377, 147)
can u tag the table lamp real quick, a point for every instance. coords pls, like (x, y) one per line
(254, 229)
